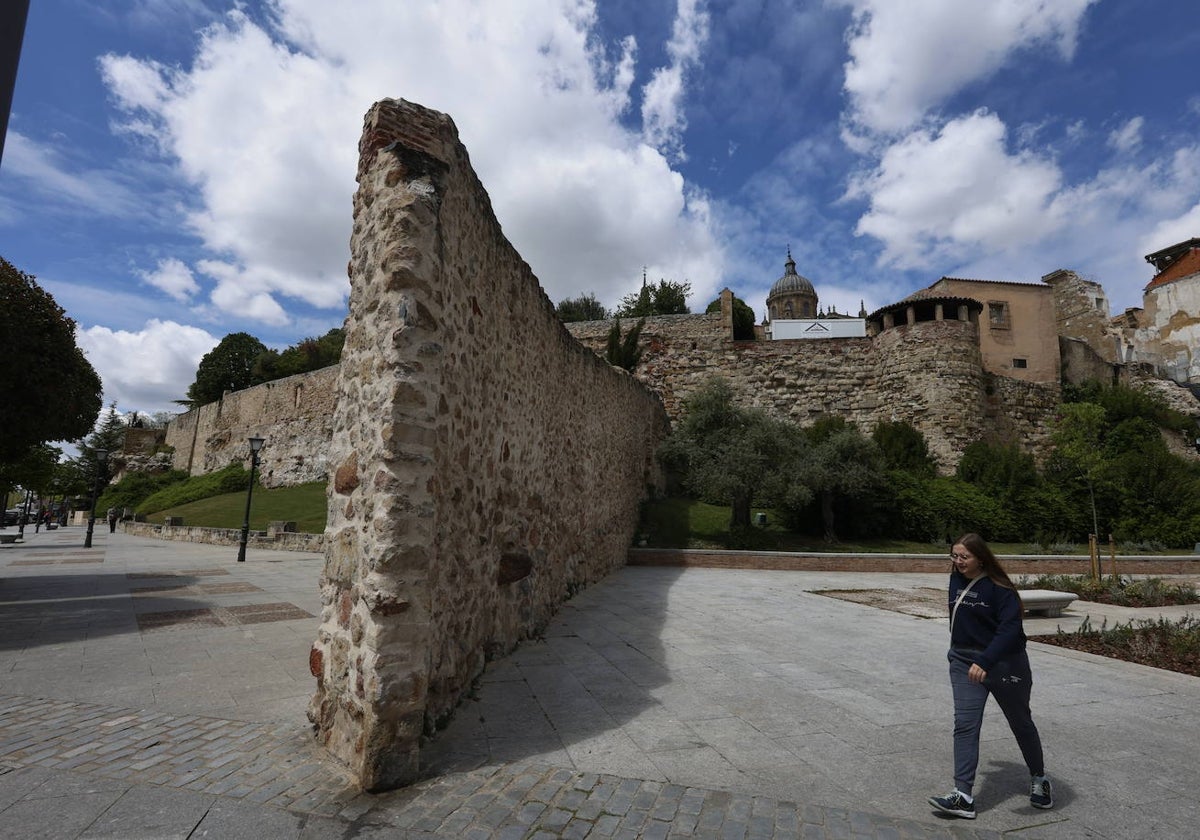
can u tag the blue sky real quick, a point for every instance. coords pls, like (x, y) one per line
(176, 170)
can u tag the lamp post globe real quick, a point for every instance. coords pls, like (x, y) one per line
(101, 458)
(255, 445)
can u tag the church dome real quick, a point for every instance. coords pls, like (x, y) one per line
(792, 296)
(791, 282)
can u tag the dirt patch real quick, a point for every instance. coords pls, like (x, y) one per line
(923, 602)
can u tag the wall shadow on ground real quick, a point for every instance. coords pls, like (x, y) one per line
(53, 609)
(570, 692)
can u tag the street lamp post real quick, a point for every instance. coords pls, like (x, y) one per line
(255, 445)
(101, 457)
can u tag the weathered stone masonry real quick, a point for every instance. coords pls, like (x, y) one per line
(294, 415)
(485, 464)
(929, 374)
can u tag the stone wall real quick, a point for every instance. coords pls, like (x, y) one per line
(1081, 308)
(487, 465)
(294, 415)
(281, 541)
(929, 374)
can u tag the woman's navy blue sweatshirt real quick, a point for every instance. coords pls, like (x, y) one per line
(988, 620)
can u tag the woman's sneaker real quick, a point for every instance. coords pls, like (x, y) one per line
(1039, 793)
(954, 803)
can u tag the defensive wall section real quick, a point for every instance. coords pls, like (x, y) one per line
(294, 415)
(929, 374)
(485, 464)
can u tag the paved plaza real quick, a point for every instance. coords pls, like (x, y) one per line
(158, 689)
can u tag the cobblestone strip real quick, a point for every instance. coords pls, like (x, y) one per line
(271, 763)
(545, 803)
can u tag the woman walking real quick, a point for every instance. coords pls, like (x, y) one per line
(987, 656)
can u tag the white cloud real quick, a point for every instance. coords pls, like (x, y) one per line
(148, 369)
(174, 278)
(1169, 231)
(906, 58)
(537, 100)
(933, 195)
(46, 171)
(663, 120)
(1129, 136)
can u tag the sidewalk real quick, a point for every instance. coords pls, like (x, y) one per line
(153, 689)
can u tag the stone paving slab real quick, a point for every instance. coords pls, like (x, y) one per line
(658, 703)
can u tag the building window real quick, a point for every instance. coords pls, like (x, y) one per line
(1020, 363)
(998, 315)
(1100, 304)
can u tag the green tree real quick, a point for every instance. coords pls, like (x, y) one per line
(624, 352)
(50, 391)
(583, 308)
(109, 436)
(1078, 439)
(743, 318)
(903, 447)
(726, 454)
(227, 367)
(842, 466)
(663, 298)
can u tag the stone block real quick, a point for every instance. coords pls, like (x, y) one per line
(173, 521)
(280, 527)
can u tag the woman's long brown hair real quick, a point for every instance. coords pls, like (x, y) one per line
(991, 567)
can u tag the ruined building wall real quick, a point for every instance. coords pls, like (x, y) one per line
(929, 374)
(293, 415)
(486, 465)
(1081, 312)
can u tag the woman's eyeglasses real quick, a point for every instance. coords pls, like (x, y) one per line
(954, 556)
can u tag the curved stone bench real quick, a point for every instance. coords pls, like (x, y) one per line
(1046, 601)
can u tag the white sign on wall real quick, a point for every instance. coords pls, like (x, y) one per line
(818, 328)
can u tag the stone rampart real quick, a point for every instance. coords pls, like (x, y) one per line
(929, 374)
(294, 415)
(486, 465)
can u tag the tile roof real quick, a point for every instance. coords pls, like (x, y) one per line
(1184, 266)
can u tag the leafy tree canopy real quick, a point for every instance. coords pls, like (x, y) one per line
(663, 298)
(624, 352)
(582, 308)
(727, 454)
(227, 367)
(50, 390)
(307, 354)
(743, 318)
(903, 448)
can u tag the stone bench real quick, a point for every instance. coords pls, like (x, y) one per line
(1046, 601)
(7, 539)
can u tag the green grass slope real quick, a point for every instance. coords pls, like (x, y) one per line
(303, 504)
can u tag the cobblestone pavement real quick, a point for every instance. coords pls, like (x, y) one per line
(69, 746)
(152, 690)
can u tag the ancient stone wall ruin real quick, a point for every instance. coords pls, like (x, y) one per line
(294, 415)
(929, 374)
(486, 465)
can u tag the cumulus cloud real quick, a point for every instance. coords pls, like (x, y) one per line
(265, 123)
(906, 58)
(147, 369)
(1129, 136)
(172, 277)
(933, 194)
(663, 119)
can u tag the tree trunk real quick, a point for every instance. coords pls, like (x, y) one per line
(739, 519)
(827, 516)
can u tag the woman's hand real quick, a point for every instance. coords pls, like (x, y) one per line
(976, 674)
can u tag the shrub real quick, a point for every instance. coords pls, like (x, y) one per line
(229, 480)
(1118, 589)
(136, 487)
